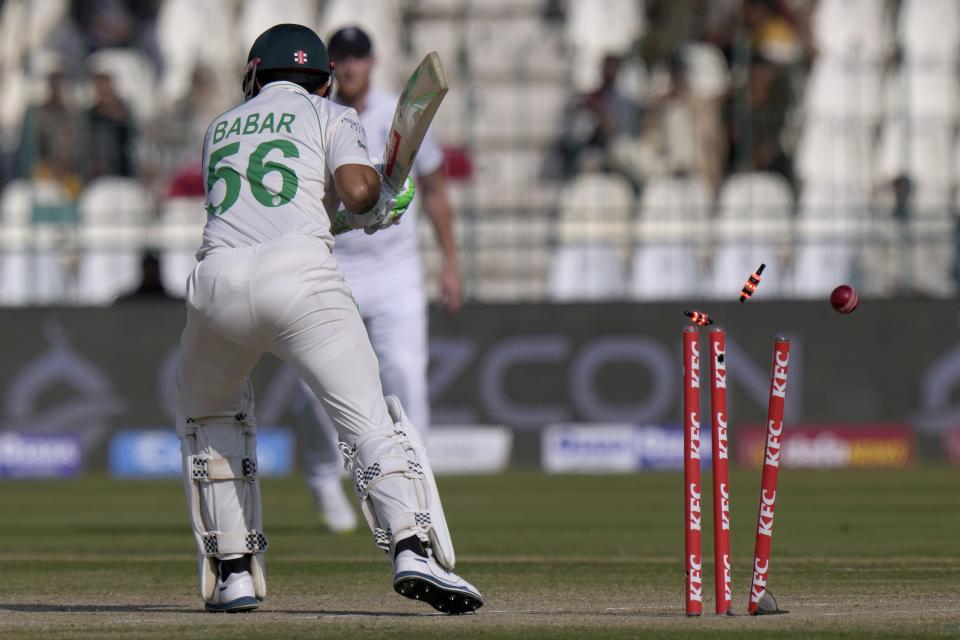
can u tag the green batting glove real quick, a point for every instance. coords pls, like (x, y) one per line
(401, 202)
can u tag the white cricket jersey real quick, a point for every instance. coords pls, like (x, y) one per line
(358, 253)
(268, 167)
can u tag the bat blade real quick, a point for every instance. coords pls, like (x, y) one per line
(416, 108)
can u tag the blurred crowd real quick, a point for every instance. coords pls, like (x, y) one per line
(787, 111)
(80, 127)
(706, 89)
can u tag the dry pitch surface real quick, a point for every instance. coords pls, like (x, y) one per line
(856, 554)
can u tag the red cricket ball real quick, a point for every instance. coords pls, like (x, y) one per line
(844, 299)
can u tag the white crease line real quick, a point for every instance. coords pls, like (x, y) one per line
(887, 612)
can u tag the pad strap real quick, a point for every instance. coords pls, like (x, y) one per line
(208, 468)
(228, 542)
(384, 467)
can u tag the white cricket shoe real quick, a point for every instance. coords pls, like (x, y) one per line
(233, 594)
(335, 509)
(424, 579)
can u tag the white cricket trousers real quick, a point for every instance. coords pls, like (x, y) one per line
(393, 306)
(287, 298)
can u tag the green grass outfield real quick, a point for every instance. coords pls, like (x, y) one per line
(855, 554)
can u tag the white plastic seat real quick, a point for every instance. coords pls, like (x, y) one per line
(446, 38)
(189, 32)
(514, 112)
(676, 200)
(825, 256)
(851, 29)
(596, 207)
(113, 215)
(752, 227)
(256, 16)
(930, 201)
(510, 179)
(830, 221)
(592, 231)
(921, 149)
(441, 7)
(586, 272)
(929, 30)
(383, 22)
(179, 233)
(25, 28)
(671, 226)
(595, 28)
(14, 100)
(844, 90)
(925, 90)
(837, 150)
(33, 267)
(516, 48)
(932, 251)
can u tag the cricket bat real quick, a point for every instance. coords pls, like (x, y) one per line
(415, 110)
(416, 107)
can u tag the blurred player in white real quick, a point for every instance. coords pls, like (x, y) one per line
(385, 274)
(276, 168)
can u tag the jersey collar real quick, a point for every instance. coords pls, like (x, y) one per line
(285, 85)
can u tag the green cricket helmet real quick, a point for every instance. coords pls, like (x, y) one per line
(286, 48)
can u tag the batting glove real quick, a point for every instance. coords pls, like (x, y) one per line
(387, 212)
(396, 207)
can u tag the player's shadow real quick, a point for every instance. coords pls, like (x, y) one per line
(162, 608)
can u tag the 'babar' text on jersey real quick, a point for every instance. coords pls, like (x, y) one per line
(254, 123)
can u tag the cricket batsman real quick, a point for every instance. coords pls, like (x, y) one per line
(385, 274)
(276, 168)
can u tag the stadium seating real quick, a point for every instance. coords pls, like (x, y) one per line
(880, 104)
(842, 89)
(592, 232)
(113, 216)
(929, 30)
(26, 28)
(830, 219)
(510, 179)
(383, 21)
(752, 227)
(852, 29)
(189, 33)
(833, 149)
(595, 28)
(920, 149)
(178, 234)
(672, 224)
(37, 245)
(518, 48)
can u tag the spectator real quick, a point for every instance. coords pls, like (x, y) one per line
(104, 24)
(666, 144)
(671, 24)
(756, 116)
(172, 142)
(682, 133)
(56, 127)
(773, 31)
(151, 283)
(109, 130)
(596, 119)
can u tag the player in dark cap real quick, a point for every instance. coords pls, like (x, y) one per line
(277, 169)
(392, 301)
